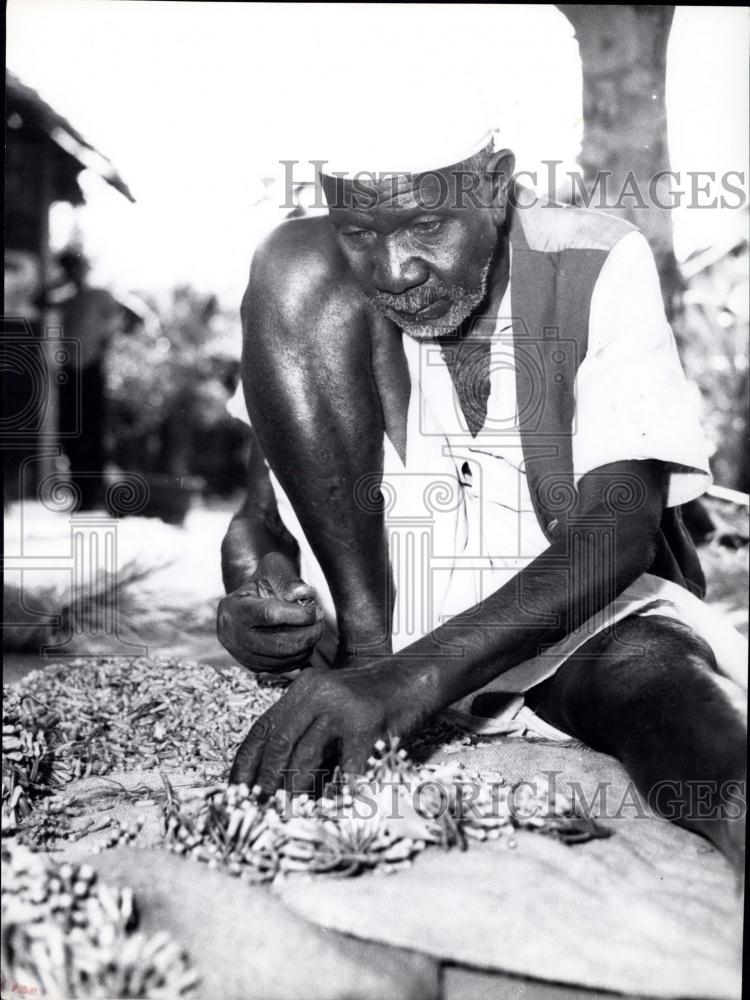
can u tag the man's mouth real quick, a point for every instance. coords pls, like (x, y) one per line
(432, 310)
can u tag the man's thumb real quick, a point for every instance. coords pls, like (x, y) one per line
(285, 582)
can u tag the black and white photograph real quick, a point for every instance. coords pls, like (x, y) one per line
(376, 500)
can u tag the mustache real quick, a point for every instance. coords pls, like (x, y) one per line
(463, 301)
(416, 298)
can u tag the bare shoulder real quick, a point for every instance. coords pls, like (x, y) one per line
(298, 271)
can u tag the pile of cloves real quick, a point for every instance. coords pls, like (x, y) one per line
(92, 717)
(378, 821)
(31, 767)
(66, 935)
(258, 840)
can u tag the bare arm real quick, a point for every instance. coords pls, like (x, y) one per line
(314, 405)
(269, 620)
(256, 529)
(607, 545)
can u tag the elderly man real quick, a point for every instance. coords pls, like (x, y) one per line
(472, 438)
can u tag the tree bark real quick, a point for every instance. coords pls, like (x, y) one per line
(624, 56)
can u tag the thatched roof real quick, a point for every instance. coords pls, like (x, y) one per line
(24, 108)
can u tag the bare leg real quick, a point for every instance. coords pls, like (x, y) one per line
(658, 708)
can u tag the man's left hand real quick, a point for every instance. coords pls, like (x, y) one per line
(326, 717)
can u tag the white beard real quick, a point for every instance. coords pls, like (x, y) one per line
(463, 304)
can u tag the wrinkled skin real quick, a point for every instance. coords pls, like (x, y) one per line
(325, 716)
(323, 384)
(424, 266)
(271, 623)
(337, 715)
(423, 253)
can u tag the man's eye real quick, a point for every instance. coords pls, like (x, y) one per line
(426, 228)
(359, 234)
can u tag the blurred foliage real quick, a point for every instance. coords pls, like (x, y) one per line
(727, 568)
(712, 329)
(183, 361)
(169, 379)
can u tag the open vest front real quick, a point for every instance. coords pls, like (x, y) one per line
(551, 291)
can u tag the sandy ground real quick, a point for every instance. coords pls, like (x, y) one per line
(172, 611)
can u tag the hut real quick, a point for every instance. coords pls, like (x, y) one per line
(45, 155)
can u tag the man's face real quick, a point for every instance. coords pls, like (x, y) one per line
(419, 250)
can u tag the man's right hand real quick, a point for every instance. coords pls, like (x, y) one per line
(271, 623)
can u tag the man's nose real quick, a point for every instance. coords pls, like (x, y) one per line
(397, 269)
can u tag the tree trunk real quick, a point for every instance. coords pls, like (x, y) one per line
(623, 53)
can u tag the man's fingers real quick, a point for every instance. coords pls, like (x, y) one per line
(279, 642)
(248, 757)
(309, 755)
(273, 611)
(269, 664)
(284, 581)
(297, 590)
(275, 647)
(246, 654)
(267, 612)
(276, 757)
(353, 756)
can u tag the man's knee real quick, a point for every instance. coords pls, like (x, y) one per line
(655, 662)
(633, 678)
(661, 640)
